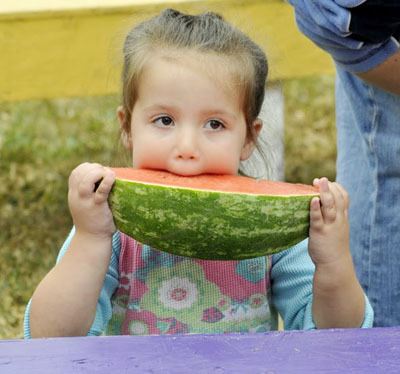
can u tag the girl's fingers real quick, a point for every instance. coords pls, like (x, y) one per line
(316, 219)
(327, 201)
(104, 187)
(80, 172)
(87, 182)
(316, 182)
(334, 201)
(338, 197)
(76, 175)
(345, 196)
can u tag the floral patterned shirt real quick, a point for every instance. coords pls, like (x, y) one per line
(147, 291)
(160, 293)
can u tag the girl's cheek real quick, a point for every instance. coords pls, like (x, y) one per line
(148, 158)
(224, 164)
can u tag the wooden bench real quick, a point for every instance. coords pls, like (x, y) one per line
(335, 351)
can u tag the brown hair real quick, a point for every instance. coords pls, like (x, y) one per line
(208, 33)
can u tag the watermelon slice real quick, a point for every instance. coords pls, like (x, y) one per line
(215, 217)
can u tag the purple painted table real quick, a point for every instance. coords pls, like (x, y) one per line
(334, 351)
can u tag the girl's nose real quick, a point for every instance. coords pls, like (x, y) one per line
(187, 144)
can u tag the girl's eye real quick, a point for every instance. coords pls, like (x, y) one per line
(214, 125)
(164, 121)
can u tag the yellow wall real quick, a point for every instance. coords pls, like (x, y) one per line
(74, 51)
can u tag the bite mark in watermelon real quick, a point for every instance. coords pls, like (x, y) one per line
(215, 217)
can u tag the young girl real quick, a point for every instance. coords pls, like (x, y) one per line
(192, 92)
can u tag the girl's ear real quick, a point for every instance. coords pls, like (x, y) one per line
(250, 144)
(125, 131)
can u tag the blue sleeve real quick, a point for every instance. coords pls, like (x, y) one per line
(103, 309)
(111, 281)
(291, 281)
(327, 24)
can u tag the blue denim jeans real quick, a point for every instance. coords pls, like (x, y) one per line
(368, 166)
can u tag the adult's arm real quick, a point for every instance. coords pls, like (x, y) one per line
(329, 24)
(376, 21)
(386, 75)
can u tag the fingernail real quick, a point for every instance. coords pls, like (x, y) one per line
(315, 202)
(323, 186)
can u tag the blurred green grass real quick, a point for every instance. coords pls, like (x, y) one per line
(42, 141)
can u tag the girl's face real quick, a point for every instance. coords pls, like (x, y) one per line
(187, 122)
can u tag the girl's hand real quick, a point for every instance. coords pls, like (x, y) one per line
(338, 299)
(329, 228)
(88, 206)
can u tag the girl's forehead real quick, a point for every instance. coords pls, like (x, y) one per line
(224, 71)
(194, 82)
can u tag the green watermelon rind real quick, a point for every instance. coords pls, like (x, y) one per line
(208, 224)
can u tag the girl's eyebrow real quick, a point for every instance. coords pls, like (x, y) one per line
(205, 113)
(219, 113)
(158, 107)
